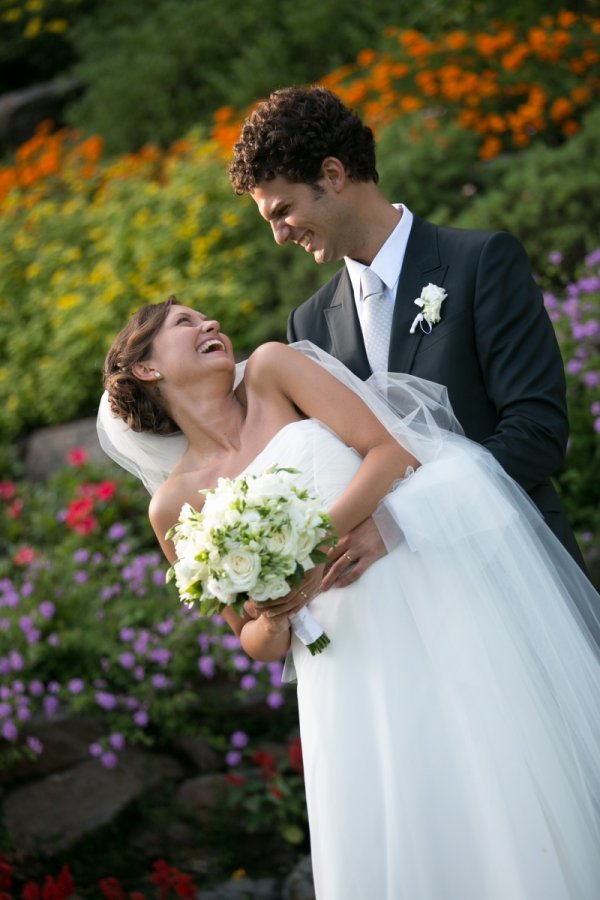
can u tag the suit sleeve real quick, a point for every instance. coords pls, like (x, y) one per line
(291, 331)
(521, 364)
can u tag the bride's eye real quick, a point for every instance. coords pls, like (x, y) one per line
(180, 319)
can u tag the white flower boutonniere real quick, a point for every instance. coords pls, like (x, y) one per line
(430, 301)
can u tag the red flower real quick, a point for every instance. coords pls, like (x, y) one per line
(167, 877)
(137, 895)
(112, 889)
(266, 761)
(106, 490)
(77, 457)
(31, 891)
(5, 874)
(295, 755)
(237, 780)
(276, 792)
(16, 508)
(8, 489)
(79, 515)
(24, 556)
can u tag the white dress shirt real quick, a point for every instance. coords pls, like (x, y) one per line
(387, 263)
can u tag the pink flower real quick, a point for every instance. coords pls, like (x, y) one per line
(77, 457)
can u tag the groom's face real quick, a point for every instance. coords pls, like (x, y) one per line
(310, 216)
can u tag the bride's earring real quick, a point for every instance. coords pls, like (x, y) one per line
(157, 375)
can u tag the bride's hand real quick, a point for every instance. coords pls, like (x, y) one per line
(293, 602)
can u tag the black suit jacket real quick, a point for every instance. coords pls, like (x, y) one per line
(494, 349)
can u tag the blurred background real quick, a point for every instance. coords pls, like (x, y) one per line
(116, 127)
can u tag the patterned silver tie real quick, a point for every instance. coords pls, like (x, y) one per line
(376, 320)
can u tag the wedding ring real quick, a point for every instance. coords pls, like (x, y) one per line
(349, 558)
(302, 594)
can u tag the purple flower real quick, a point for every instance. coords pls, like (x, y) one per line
(591, 379)
(109, 759)
(50, 705)
(241, 662)
(593, 258)
(597, 426)
(117, 740)
(574, 367)
(555, 257)
(159, 577)
(275, 700)
(160, 655)
(26, 589)
(53, 640)
(82, 555)
(117, 531)
(53, 687)
(80, 577)
(139, 673)
(47, 609)
(239, 739)
(33, 635)
(16, 661)
(141, 718)
(36, 688)
(9, 730)
(4, 624)
(35, 745)
(23, 713)
(233, 758)
(160, 681)
(165, 627)
(230, 642)
(206, 664)
(127, 660)
(247, 682)
(127, 634)
(75, 685)
(96, 750)
(5, 710)
(106, 700)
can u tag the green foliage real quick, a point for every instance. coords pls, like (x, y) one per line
(35, 39)
(430, 164)
(154, 73)
(548, 197)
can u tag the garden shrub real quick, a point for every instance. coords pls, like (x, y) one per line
(548, 197)
(152, 73)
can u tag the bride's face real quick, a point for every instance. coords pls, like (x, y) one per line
(189, 342)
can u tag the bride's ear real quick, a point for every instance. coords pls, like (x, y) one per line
(145, 372)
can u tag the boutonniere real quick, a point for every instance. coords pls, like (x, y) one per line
(430, 301)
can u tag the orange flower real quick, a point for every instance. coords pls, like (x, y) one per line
(457, 40)
(580, 95)
(491, 147)
(365, 58)
(561, 109)
(570, 127)
(566, 18)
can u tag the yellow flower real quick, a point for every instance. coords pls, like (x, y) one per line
(67, 301)
(57, 26)
(11, 15)
(33, 28)
(34, 5)
(33, 270)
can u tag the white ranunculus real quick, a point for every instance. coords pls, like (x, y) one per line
(187, 573)
(242, 567)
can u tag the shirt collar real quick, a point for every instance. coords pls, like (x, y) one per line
(388, 261)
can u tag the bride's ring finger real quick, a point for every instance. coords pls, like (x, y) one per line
(349, 558)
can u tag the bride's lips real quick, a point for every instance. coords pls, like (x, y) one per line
(210, 345)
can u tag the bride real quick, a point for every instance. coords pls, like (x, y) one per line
(451, 730)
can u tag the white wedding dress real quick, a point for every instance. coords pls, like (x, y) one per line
(450, 729)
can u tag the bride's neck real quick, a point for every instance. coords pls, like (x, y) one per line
(211, 425)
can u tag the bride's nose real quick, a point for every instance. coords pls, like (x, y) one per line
(211, 325)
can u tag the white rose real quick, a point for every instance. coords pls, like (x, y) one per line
(431, 300)
(242, 567)
(282, 540)
(187, 573)
(307, 541)
(270, 588)
(221, 589)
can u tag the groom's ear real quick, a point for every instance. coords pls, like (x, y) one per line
(334, 172)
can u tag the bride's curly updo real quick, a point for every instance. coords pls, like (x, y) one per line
(138, 403)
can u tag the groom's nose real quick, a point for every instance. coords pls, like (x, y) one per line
(281, 231)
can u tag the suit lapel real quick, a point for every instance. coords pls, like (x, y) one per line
(422, 264)
(344, 328)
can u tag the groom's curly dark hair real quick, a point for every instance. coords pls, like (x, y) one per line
(290, 134)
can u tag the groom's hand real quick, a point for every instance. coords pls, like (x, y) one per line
(352, 555)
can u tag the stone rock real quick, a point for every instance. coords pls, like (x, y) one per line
(202, 796)
(245, 889)
(200, 753)
(66, 740)
(55, 812)
(299, 884)
(47, 448)
(22, 111)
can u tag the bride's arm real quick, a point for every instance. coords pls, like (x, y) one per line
(279, 372)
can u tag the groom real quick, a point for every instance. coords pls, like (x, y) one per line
(309, 164)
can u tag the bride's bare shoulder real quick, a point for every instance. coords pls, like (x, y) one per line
(268, 359)
(167, 500)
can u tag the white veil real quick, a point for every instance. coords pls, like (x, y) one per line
(416, 411)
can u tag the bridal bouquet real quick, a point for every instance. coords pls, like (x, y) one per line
(254, 538)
